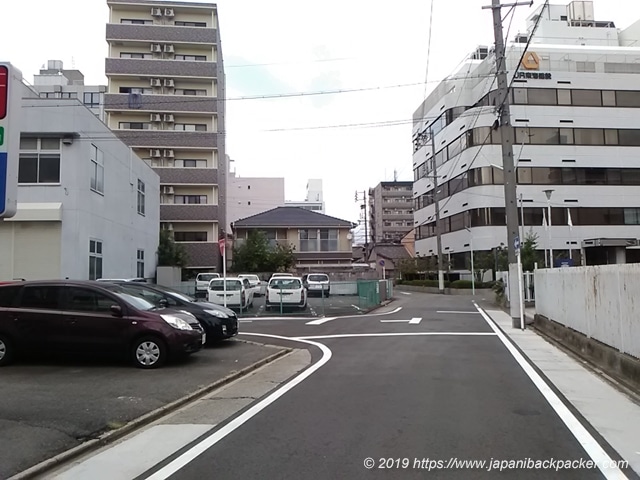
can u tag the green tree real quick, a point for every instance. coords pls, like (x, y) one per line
(407, 266)
(170, 253)
(255, 254)
(529, 254)
(482, 263)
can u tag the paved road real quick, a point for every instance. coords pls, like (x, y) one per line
(415, 392)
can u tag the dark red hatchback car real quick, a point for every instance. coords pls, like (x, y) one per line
(89, 317)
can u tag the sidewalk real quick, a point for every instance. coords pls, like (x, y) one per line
(614, 415)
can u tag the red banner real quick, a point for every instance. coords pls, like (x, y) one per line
(221, 245)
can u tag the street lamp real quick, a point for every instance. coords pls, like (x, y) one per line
(548, 194)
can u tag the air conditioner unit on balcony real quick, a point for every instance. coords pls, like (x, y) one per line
(167, 190)
(168, 117)
(168, 49)
(156, 12)
(155, 153)
(155, 117)
(168, 12)
(168, 154)
(168, 82)
(156, 48)
(155, 82)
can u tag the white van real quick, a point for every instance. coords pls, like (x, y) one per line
(286, 292)
(236, 292)
(202, 282)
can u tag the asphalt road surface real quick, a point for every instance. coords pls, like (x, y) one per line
(428, 389)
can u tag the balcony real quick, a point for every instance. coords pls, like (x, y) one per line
(161, 103)
(161, 33)
(192, 176)
(136, 67)
(175, 212)
(168, 139)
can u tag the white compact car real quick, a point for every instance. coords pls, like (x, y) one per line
(237, 293)
(202, 282)
(255, 282)
(286, 292)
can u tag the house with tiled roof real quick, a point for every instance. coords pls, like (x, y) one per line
(320, 241)
(388, 257)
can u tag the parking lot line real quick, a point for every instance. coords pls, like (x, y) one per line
(320, 321)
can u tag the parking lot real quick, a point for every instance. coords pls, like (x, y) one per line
(50, 405)
(334, 305)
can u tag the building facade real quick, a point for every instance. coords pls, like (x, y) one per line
(88, 208)
(248, 196)
(165, 99)
(314, 199)
(575, 111)
(390, 211)
(56, 82)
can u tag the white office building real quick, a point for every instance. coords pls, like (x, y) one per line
(88, 207)
(314, 199)
(575, 110)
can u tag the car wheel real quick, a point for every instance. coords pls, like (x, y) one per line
(149, 352)
(6, 350)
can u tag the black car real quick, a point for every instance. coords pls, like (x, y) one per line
(219, 322)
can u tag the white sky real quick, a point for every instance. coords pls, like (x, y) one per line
(309, 47)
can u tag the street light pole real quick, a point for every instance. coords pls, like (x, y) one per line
(548, 194)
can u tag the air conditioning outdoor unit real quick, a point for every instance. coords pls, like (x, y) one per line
(167, 190)
(155, 117)
(156, 12)
(168, 154)
(154, 153)
(168, 82)
(156, 82)
(168, 49)
(168, 12)
(156, 48)
(168, 117)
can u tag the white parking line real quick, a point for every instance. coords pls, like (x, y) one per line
(457, 311)
(403, 334)
(405, 293)
(601, 458)
(320, 321)
(198, 449)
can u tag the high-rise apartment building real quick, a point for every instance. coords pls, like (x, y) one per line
(390, 212)
(575, 111)
(314, 199)
(165, 99)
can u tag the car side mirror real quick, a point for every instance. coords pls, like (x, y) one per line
(116, 310)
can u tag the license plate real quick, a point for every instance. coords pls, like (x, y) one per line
(316, 287)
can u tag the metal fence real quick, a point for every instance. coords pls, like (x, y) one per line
(528, 285)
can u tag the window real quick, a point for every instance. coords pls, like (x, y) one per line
(141, 208)
(190, 127)
(85, 300)
(589, 136)
(629, 137)
(189, 24)
(542, 96)
(628, 99)
(190, 91)
(520, 96)
(140, 264)
(190, 199)
(136, 21)
(542, 136)
(134, 125)
(95, 259)
(97, 170)
(328, 240)
(189, 163)
(68, 95)
(46, 297)
(609, 98)
(190, 236)
(564, 97)
(308, 240)
(192, 58)
(91, 99)
(632, 216)
(586, 98)
(139, 90)
(147, 56)
(39, 160)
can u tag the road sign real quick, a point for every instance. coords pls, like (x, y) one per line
(516, 244)
(381, 262)
(10, 98)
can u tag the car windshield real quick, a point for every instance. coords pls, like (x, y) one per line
(205, 277)
(135, 301)
(286, 283)
(252, 278)
(218, 285)
(318, 278)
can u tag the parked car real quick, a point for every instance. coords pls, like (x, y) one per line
(238, 293)
(219, 322)
(286, 292)
(202, 283)
(255, 282)
(317, 283)
(135, 280)
(281, 275)
(92, 318)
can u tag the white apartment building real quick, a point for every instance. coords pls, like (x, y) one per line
(314, 200)
(88, 207)
(575, 109)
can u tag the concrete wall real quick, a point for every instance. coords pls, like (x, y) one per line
(602, 302)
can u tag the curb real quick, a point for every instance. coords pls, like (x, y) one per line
(110, 437)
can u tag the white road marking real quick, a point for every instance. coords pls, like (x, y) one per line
(405, 293)
(403, 334)
(415, 320)
(208, 442)
(356, 307)
(605, 463)
(456, 311)
(394, 321)
(320, 321)
(245, 321)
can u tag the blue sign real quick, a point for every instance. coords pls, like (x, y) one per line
(381, 262)
(516, 243)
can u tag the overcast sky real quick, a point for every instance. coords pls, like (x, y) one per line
(293, 46)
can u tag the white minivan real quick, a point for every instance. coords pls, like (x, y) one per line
(237, 292)
(286, 292)
(202, 282)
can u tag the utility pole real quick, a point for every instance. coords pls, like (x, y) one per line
(366, 232)
(507, 138)
(438, 224)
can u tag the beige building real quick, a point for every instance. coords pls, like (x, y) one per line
(390, 211)
(165, 99)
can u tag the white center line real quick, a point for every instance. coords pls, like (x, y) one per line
(394, 321)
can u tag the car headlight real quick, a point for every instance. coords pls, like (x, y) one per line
(217, 313)
(176, 322)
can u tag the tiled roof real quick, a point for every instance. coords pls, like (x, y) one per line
(392, 252)
(291, 217)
